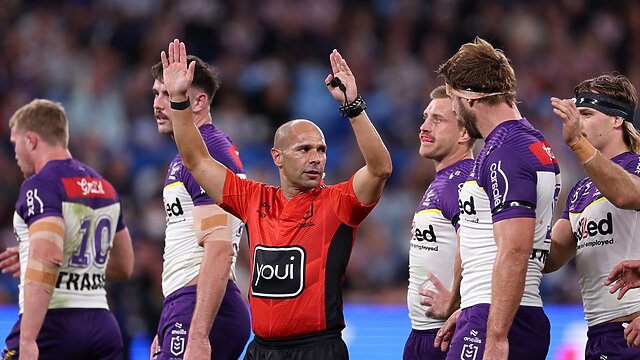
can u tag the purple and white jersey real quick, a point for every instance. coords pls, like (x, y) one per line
(182, 254)
(516, 175)
(433, 239)
(91, 211)
(604, 235)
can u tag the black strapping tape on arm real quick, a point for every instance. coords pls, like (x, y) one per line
(512, 204)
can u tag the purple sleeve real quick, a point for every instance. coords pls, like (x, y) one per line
(565, 212)
(121, 225)
(38, 198)
(511, 185)
(633, 165)
(449, 201)
(197, 193)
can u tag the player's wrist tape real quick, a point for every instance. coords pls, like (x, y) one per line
(583, 150)
(183, 105)
(353, 109)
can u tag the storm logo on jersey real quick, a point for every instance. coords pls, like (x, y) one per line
(278, 272)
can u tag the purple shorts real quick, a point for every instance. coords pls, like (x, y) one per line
(529, 335)
(228, 336)
(72, 334)
(607, 341)
(419, 346)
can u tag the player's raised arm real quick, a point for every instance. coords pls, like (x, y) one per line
(619, 186)
(370, 179)
(178, 76)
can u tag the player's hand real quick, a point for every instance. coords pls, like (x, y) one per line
(154, 348)
(340, 70)
(445, 334)
(197, 348)
(567, 111)
(624, 277)
(176, 73)
(29, 350)
(632, 333)
(496, 349)
(438, 301)
(10, 261)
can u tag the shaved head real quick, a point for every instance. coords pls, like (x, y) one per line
(300, 153)
(290, 131)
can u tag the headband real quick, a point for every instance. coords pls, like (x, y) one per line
(472, 94)
(606, 105)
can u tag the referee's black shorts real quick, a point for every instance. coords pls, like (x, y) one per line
(322, 346)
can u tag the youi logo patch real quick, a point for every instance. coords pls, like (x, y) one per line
(278, 272)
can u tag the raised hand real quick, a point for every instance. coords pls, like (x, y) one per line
(176, 74)
(567, 111)
(340, 70)
(10, 261)
(624, 277)
(438, 301)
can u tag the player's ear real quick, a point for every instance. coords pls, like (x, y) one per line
(464, 136)
(276, 155)
(471, 102)
(199, 101)
(31, 140)
(617, 122)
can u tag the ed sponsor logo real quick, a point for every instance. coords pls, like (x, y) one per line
(278, 272)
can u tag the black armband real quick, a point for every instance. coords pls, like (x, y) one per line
(184, 105)
(353, 109)
(512, 204)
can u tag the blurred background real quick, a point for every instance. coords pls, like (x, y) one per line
(94, 57)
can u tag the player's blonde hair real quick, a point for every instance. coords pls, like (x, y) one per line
(44, 117)
(618, 87)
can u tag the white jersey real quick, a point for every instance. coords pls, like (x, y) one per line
(434, 241)
(91, 212)
(605, 235)
(515, 176)
(182, 254)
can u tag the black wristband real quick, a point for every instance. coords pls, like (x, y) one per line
(353, 109)
(184, 105)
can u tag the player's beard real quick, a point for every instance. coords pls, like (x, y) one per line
(467, 116)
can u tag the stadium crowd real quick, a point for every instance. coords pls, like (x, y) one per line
(95, 57)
